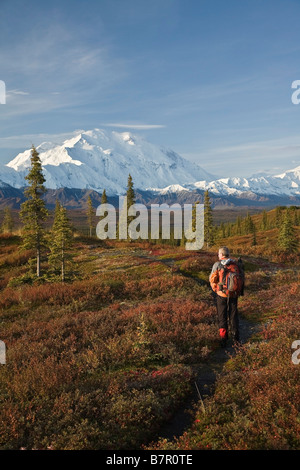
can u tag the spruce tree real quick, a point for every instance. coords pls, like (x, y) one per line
(61, 241)
(296, 217)
(253, 231)
(130, 192)
(248, 224)
(278, 216)
(264, 222)
(104, 197)
(33, 211)
(183, 240)
(124, 218)
(238, 225)
(194, 209)
(8, 223)
(287, 237)
(103, 201)
(208, 221)
(293, 215)
(90, 215)
(130, 199)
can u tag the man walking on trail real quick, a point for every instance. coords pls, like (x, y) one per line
(227, 282)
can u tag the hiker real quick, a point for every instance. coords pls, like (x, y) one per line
(226, 280)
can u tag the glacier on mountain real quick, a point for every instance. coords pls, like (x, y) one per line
(98, 159)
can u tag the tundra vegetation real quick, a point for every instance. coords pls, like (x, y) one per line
(101, 355)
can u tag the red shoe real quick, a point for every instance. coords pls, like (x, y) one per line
(224, 337)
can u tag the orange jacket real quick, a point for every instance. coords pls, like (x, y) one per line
(214, 279)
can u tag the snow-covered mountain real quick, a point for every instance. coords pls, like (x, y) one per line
(97, 160)
(100, 160)
(284, 184)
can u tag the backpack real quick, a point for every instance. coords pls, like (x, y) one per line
(231, 278)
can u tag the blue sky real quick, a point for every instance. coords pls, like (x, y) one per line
(210, 79)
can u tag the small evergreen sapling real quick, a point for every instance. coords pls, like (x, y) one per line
(209, 236)
(287, 237)
(61, 241)
(8, 223)
(90, 215)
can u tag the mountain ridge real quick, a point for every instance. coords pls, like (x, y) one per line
(103, 160)
(96, 159)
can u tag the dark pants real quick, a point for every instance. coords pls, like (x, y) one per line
(228, 315)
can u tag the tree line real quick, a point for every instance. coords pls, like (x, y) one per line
(285, 220)
(59, 240)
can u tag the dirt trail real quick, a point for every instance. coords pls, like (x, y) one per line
(206, 373)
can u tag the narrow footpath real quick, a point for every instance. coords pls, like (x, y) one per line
(205, 373)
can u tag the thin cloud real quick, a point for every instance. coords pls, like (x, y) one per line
(135, 126)
(16, 92)
(286, 145)
(59, 72)
(271, 156)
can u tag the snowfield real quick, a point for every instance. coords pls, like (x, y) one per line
(98, 159)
